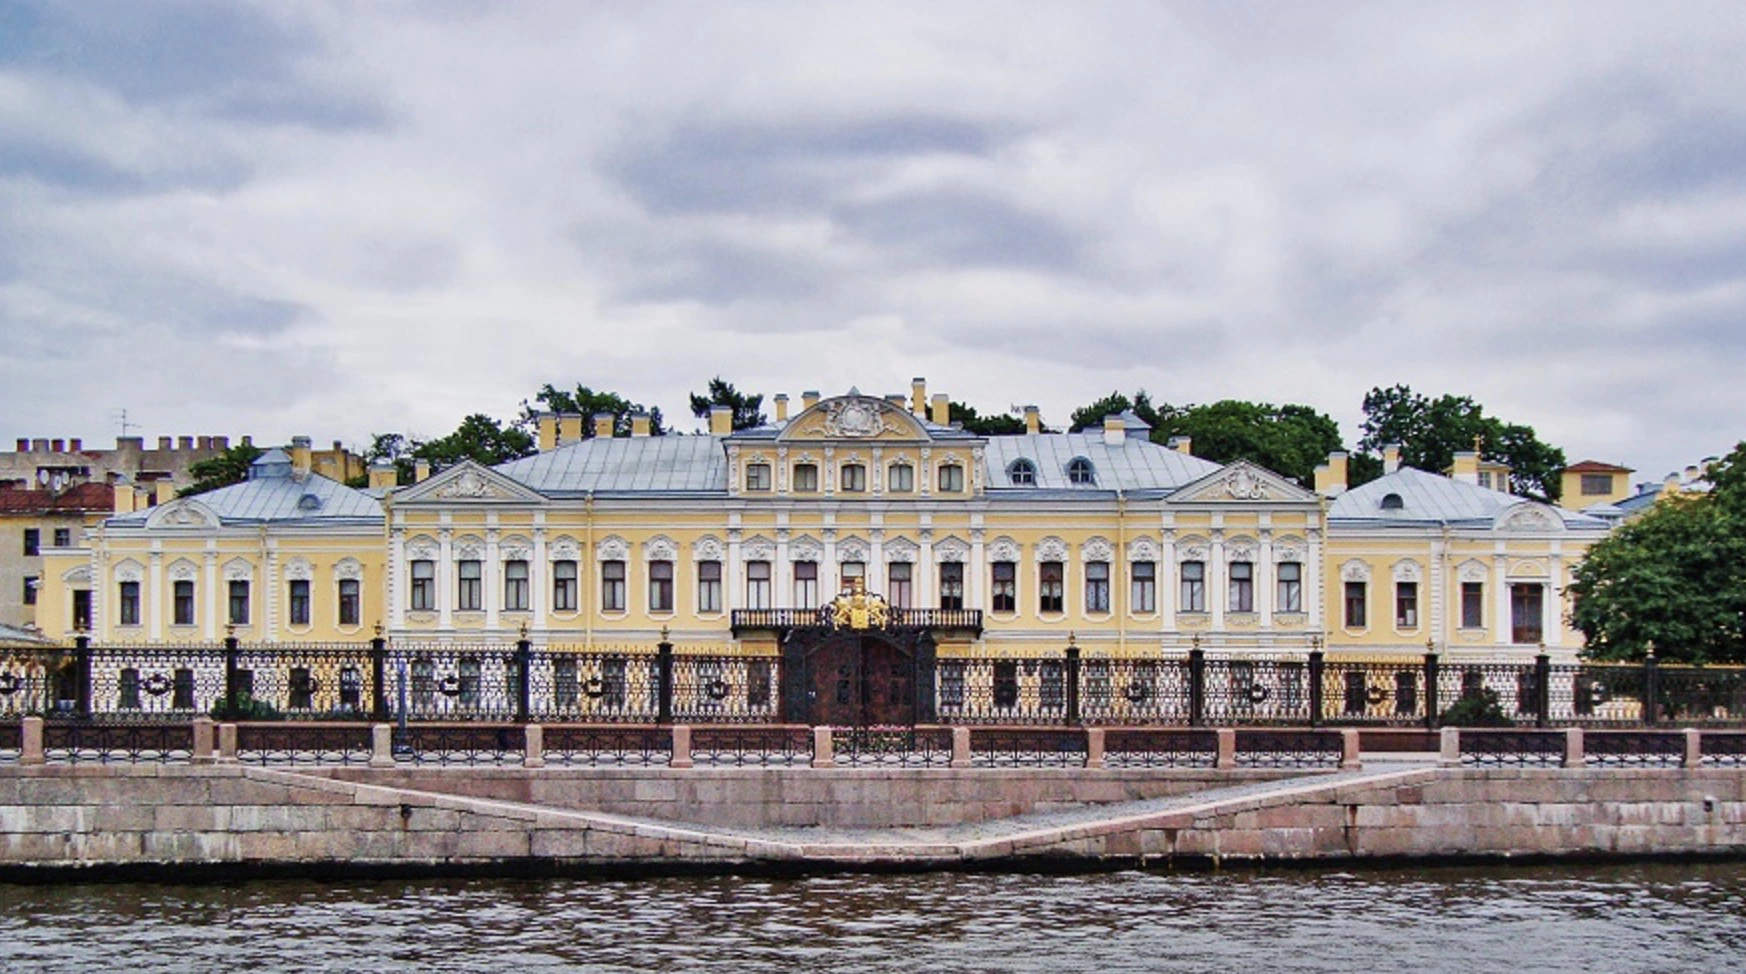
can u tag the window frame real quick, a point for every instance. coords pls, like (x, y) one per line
(907, 477)
(1097, 588)
(127, 603)
(1191, 575)
(1051, 587)
(1003, 591)
(1240, 579)
(1355, 611)
(900, 592)
(349, 605)
(238, 602)
(1473, 605)
(614, 580)
(1022, 472)
(1406, 604)
(566, 585)
(1143, 586)
(811, 471)
(758, 479)
(63, 537)
(32, 542)
(517, 591)
(852, 478)
(469, 588)
(709, 580)
(758, 584)
(177, 601)
(805, 588)
(661, 576)
(297, 609)
(951, 594)
(1288, 585)
(421, 595)
(1081, 472)
(951, 478)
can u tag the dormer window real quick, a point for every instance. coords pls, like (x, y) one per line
(854, 477)
(806, 477)
(757, 476)
(1392, 502)
(1022, 473)
(1080, 471)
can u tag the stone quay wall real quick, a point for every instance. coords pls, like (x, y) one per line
(56, 821)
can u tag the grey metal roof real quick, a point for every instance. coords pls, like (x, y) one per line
(280, 500)
(1135, 464)
(633, 464)
(1433, 498)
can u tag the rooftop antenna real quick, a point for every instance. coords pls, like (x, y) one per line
(122, 421)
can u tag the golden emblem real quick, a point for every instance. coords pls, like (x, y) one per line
(856, 609)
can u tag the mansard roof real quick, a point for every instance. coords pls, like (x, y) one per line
(632, 465)
(1433, 499)
(1133, 464)
(269, 499)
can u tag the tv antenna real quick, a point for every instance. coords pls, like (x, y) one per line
(122, 421)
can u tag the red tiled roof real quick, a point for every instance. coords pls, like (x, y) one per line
(1595, 466)
(77, 499)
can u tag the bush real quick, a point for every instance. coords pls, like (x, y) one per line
(1479, 709)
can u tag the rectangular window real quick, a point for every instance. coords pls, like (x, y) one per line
(709, 586)
(183, 597)
(661, 586)
(1485, 479)
(299, 602)
(1406, 605)
(423, 585)
(1472, 605)
(1050, 589)
(951, 585)
(515, 585)
(806, 476)
(854, 477)
(82, 609)
(1097, 586)
(897, 589)
(1242, 586)
(1356, 597)
(63, 537)
(1597, 484)
(129, 603)
(612, 586)
(239, 603)
(757, 476)
(951, 479)
(349, 614)
(806, 584)
(564, 587)
(1193, 586)
(757, 585)
(851, 571)
(32, 542)
(1145, 586)
(1527, 614)
(470, 588)
(1004, 593)
(30, 584)
(1290, 586)
(901, 479)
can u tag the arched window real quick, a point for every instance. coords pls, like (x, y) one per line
(1392, 502)
(1080, 471)
(1022, 472)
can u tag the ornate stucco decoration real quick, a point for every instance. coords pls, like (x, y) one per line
(77, 576)
(900, 549)
(515, 548)
(1355, 570)
(238, 570)
(758, 548)
(129, 571)
(1096, 549)
(1142, 549)
(299, 570)
(1003, 549)
(856, 418)
(660, 548)
(564, 549)
(349, 569)
(852, 549)
(951, 549)
(421, 549)
(707, 548)
(1529, 517)
(1406, 570)
(805, 549)
(184, 571)
(857, 609)
(1051, 549)
(183, 514)
(612, 548)
(1240, 548)
(470, 484)
(1473, 571)
(469, 548)
(1243, 485)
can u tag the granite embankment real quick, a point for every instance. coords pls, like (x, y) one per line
(61, 820)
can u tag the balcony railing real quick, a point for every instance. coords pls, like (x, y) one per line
(751, 619)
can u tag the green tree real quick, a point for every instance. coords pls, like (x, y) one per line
(1289, 439)
(994, 424)
(479, 438)
(588, 402)
(721, 393)
(229, 467)
(1431, 431)
(1674, 578)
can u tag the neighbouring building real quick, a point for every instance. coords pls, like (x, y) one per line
(39, 522)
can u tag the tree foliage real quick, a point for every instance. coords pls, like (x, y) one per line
(588, 402)
(1674, 578)
(1289, 439)
(1431, 431)
(994, 424)
(479, 438)
(229, 467)
(721, 393)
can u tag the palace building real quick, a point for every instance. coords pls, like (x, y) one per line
(994, 546)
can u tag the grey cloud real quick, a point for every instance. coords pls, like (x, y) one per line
(961, 230)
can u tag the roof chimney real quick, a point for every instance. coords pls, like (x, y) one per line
(942, 410)
(782, 407)
(383, 475)
(1033, 420)
(1466, 467)
(639, 424)
(1114, 433)
(164, 491)
(1391, 459)
(918, 397)
(547, 424)
(809, 399)
(569, 428)
(721, 420)
(420, 471)
(1331, 476)
(603, 425)
(121, 497)
(1181, 444)
(300, 456)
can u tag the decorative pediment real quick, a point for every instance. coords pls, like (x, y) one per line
(515, 548)
(1289, 548)
(951, 549)
(1241, 548)
(805, 548)
(707, 548)
(612, 548)
(183, 513)
(660, 548)
(129, 571)
(1003, 549)
(1473, 570)
(853, 417)
(469, 547)
(1142, 549)
(468, 483)
(238, 570)
(1096, 549)
(299, 570)
(758, 548)
(1407, 570)
(564, 548)
(1242, 481)
(1355, 570)
(183, 570)
(348, 569)
(422, 548)
(1528, 516)
(852, 549)
(77, 576)
(900, 549)
(1051, 549)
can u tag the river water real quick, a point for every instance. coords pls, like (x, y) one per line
(1685, 917)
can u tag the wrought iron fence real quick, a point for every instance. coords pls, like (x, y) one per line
(1633, 749)
(303, 743)
(901, 747)
(1027, 747)
(607, 745)
(464, 744)
(751, 745)
(1512, 748)
(11, 742)
(1723, 750)
(1288, 748)
(75, 742)
(1159, 747)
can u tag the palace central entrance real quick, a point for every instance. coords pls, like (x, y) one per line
(857, 678)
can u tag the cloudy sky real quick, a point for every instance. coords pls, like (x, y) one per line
(337, 219)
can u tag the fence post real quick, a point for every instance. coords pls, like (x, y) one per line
(379, 678)
(1651, 688)
(1431, 704)
(1072, 682)
(232, 680)
(1315, 687)
(1542, 690)
(82, 675)
(1196, 687)
(523, 683)
(664, 680)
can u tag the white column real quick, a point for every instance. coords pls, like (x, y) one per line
(270, 598)
(1553, 603)
(1437, 592)
(733, 575)
(211, 574)
(1264, 580)
(155, 605)
(1167, 582)
(976, 571)
(781, 579)
(830, 573)
(445, 578)
(539, 579)
(925, 596)
(1500, 600)
(1218, 587)
(397, 591)
(492, 579)
(877, 580)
